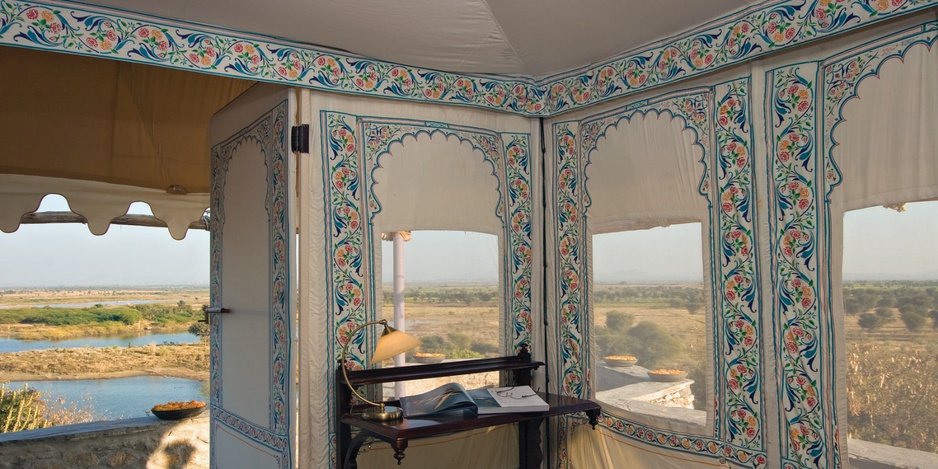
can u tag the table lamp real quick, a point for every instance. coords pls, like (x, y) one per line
(391, 342)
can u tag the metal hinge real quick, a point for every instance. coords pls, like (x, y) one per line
(299, 138)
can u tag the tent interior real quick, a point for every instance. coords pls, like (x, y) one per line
(543, 124)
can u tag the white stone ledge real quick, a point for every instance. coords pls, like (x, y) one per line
(868, 455)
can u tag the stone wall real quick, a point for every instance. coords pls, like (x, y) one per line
(132, 443)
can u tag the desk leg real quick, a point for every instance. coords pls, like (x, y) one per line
(399, 447)
(593, 417)
(351, 456)
(529, 444)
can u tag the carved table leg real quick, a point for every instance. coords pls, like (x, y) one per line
(399, 447)
(593, 416)
(351, 456)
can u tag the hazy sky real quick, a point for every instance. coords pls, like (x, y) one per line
(879, 243)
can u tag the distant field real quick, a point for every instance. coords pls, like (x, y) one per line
(28, 296)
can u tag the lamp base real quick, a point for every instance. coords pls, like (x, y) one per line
(382, 413)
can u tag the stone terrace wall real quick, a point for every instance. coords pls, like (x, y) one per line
(132, 443)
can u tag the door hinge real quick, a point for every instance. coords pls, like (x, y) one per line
(299, 138)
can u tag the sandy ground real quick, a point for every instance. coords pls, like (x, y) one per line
(182, 361)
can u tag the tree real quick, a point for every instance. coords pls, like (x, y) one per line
(933, 314)
(619, 321)
(886, 314)
(652, 345)
(914, 320)
(852, 306)
(870, 321)
(200, 329)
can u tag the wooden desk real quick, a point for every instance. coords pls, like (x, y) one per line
(516, 371)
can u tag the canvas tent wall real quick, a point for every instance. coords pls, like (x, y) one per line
(766, 142)
(105, 134)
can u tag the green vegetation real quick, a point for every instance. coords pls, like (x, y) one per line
(447, 295)
(25, 409)
(914, 301)
(892, 374)
(21, 410)
(159, 314)
(454, 345)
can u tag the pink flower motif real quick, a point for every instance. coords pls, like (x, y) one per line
(32, 14)
(144, 32)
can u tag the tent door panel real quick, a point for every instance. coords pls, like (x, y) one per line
(252, 391)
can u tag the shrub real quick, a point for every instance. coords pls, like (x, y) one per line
(21, 410)
(484, 348)
(619, 321)
(870, 321)
(652, 345)
(458, 340)
(433, 344)
(200, 329)
(463, 353)
(914, 321)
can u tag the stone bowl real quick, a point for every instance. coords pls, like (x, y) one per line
(429, 357)
(178, 414)
(657, 375)
(621, 361)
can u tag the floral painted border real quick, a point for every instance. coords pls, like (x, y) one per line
(693, 108)
(794, 230)
(740, 413)
(574, 141)
(691, 443)
(733, 39)
(570, 259)
(268, 130)
(351, 149)
(344, 231)
(508, 155)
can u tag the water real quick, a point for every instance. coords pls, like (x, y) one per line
(16, 345)
(110, 399)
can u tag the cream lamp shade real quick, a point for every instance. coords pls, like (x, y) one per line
(391, 343)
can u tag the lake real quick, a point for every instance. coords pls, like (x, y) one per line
(111, 399)
(16, 345)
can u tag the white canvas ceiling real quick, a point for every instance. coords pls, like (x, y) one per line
(523, 37)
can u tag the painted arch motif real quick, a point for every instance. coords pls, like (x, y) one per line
(721, 120)
(352, 147)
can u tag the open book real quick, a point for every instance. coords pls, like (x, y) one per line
(453, 398)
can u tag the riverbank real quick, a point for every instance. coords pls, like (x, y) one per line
(43, 332)
(190, 361)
